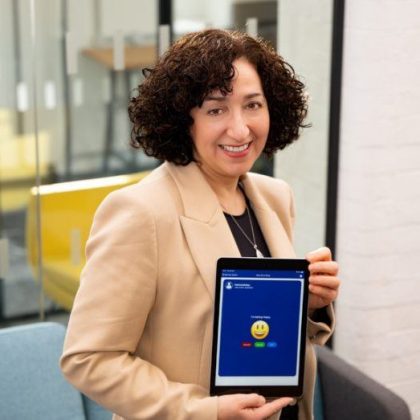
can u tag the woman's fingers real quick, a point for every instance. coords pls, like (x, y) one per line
(249, 407)
(238, 406)
(271, 407)
(330, 282)
(327, 267)
(326, 294)
(323, 280)
(323, 290)
(320, 254)
(250, 400)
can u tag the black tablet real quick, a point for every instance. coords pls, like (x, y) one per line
(259, 326)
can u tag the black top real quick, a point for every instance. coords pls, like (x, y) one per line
(247, 250)
(245, 247)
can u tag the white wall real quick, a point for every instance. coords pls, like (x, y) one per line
(193, 15)
(378, 232)
(304, 40)
(135, 17)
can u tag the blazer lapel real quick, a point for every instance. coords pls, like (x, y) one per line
(205, 227)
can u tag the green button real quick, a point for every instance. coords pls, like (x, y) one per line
(259, 344)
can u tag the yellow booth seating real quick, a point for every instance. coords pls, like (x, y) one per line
(18, 168)
(66, 213)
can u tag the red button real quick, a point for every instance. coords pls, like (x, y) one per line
(246, 344)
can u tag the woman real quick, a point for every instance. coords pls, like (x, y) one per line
(139, 336)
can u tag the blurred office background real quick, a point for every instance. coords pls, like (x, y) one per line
(67, 69)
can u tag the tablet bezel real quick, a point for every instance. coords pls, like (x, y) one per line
(272, 391)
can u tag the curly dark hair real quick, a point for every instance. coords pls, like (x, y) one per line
(196, 65)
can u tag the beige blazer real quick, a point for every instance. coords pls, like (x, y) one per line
(140, 333)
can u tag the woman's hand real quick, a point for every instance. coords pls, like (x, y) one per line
(248, 407)
(323, 280)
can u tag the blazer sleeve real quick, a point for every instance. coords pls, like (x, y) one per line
(116, 293)
(320, 332)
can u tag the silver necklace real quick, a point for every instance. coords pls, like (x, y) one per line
(258, 253)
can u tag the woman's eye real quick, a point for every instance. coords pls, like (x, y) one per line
(254, 105)
(214, 111)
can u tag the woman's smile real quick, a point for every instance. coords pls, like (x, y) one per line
(236, 151)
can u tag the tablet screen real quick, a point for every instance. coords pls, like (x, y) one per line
(259, 327)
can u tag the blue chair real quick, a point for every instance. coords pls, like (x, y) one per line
(32, 386)
(343, 392)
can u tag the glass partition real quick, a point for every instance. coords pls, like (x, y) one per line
(67, 72)
(19, 166)
(304, 40)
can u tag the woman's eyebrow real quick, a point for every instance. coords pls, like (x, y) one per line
(253, 95)
(223, 98)
(215, 98)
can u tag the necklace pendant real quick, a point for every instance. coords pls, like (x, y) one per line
(259, 253)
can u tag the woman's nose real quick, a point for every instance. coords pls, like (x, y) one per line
(238, 128)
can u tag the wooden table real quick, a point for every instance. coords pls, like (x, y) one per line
(135, 57)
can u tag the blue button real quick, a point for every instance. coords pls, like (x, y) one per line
(272, 344)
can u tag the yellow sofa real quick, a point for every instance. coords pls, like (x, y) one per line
(65, 216)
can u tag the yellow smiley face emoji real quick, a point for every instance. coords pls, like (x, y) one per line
(260, 329)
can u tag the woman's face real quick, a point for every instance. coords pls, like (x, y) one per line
(229, 132)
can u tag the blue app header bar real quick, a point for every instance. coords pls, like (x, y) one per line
(264, 274)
